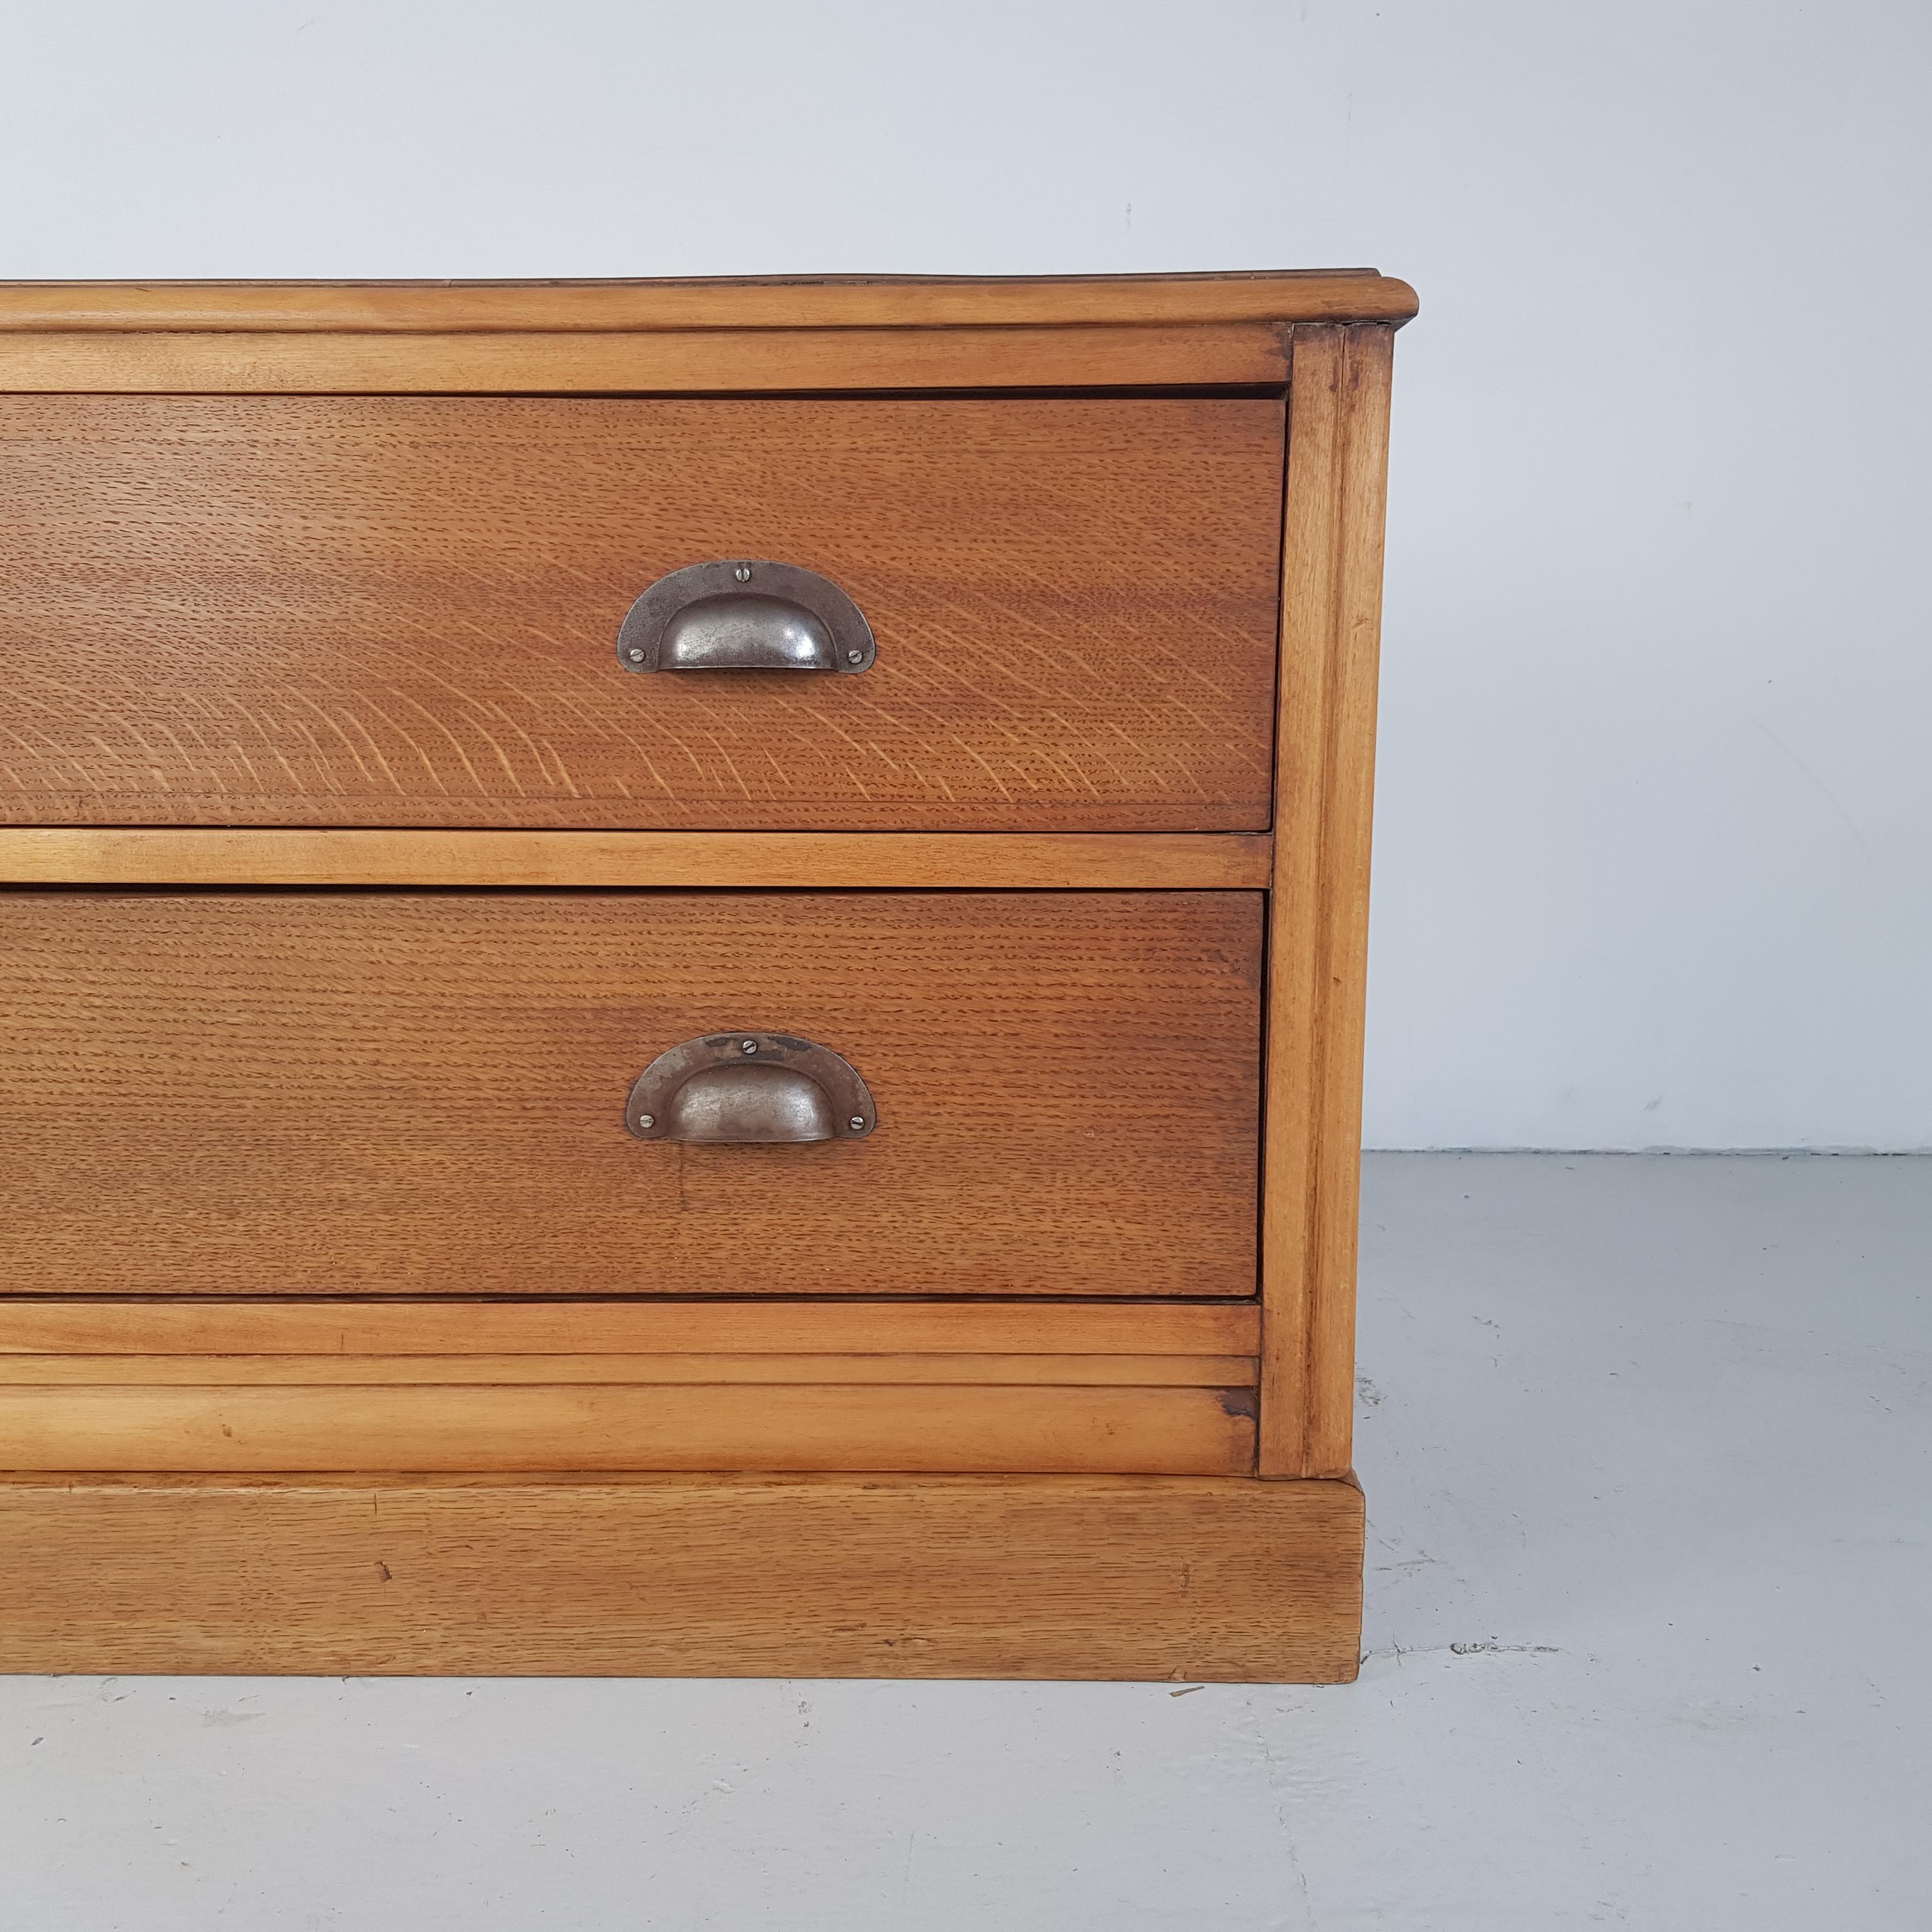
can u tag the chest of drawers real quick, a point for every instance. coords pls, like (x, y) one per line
(682, 970)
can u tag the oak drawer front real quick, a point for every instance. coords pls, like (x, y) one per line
(402, 1094)
(403, 611)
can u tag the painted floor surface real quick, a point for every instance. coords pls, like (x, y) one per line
(1648, 1445)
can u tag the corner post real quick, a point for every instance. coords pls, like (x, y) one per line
(1318, 919)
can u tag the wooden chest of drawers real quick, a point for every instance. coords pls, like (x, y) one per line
(682, 973)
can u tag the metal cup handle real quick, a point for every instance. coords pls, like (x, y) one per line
(755, 616)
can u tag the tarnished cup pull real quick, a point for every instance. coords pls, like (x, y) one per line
(758, 1086)
(752, 615)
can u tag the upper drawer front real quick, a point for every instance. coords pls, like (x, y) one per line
(329, 1093)
(403, 611)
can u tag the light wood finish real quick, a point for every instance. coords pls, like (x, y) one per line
(324, 1093)
(749, 361)
(929, 1428)
(1187, 1579)
(315, 586)
(1066, 861)
(767, 302)
(99, 1325)
(401, 611)
(625, 1371)
(1331, 613)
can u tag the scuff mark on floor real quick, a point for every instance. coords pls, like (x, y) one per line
(222, 1720)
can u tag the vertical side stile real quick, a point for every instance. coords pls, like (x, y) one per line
(1331, 609)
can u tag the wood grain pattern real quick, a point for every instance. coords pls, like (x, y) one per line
(1185, 1578)
(1142, 1371)
(746, 361)
(1331, 615)
(99, 1325)
(259, 634)
(923, 1428)
(402, 612)
(787, 302)
(383, 1094)
(1064, 861)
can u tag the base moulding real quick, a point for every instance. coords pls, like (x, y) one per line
(1211, 1579)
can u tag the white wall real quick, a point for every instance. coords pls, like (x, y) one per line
(1655, 848)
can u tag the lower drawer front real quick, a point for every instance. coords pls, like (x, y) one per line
(370, 1094)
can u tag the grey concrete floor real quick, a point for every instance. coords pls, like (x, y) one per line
(1647, 1443)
